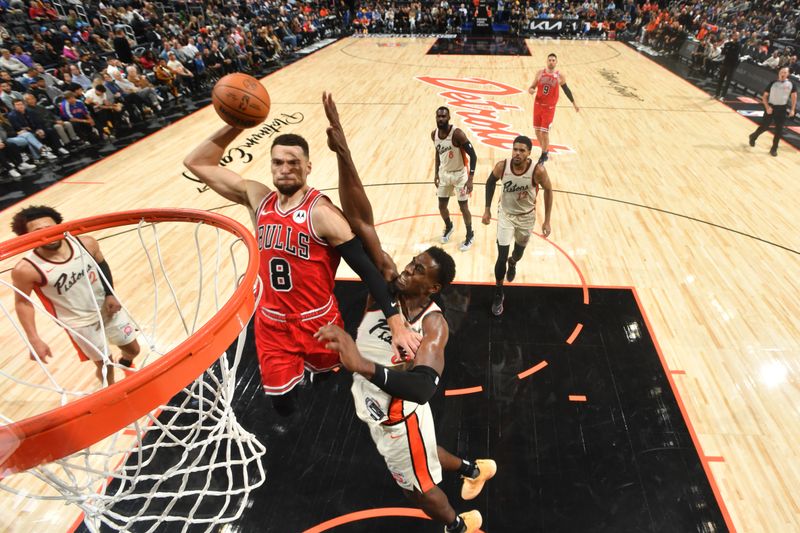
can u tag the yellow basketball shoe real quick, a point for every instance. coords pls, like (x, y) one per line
(472, 520)
(473, 486)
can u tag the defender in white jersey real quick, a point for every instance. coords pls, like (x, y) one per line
(391, 395)
(68, 281)
(451, 175)
(516, 212)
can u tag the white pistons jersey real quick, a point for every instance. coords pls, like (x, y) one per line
(374, 341)
(518, 196)
(451, 158)
(71, 290)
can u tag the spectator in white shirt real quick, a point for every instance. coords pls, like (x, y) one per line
(115, 65)
(11, 63)
(772, 61)
(181, 72)
(107, 113)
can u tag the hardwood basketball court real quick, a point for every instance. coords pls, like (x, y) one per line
(656, 189)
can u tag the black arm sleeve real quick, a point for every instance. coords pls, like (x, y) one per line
(473, 157)
(106, 270)
(491, 183)
(354, 255)
(568, 93)
(417, 385)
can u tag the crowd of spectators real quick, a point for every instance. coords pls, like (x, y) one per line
(75, 75)
(767, 33)
(664, 25)
(517, 17)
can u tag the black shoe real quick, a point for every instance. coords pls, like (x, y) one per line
(497, 302)
(284, 404)
(542, 158)
(448, 231)
(511, 273)
(467, 244)
(752, 140)
(774, 152)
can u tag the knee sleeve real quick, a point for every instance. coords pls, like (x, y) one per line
(500, 265)
(519, 249)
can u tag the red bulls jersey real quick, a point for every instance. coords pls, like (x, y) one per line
(296, 266)
(547, 89)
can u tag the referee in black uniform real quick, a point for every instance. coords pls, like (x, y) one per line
(776, 99)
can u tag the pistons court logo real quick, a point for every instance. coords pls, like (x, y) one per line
(477, 102)
(299, 217)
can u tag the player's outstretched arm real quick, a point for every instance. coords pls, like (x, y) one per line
(541, 177)
(25, 277)
(330, 224)
(355, 203)
(203, 162)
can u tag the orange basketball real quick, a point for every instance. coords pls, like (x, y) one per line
(240, 100)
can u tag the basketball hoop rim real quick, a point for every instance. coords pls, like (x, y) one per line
(79, 424)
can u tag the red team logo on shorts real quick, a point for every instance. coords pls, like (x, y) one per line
(473, 99)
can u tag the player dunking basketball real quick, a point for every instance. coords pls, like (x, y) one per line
(451, 175)
(545, 87)
(301, 237)
(391, 396)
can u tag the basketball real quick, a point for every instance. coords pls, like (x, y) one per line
(240, 100)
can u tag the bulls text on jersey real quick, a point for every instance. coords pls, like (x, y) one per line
(280, 237)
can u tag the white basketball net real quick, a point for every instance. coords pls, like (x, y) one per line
(187, 463)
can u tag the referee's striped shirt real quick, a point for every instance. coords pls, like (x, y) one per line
(780, 92)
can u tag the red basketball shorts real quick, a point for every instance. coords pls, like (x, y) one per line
(543, 116)
(285, 345)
